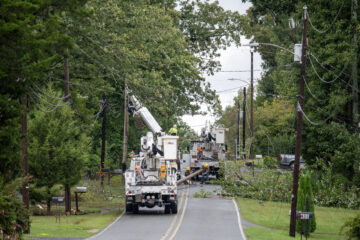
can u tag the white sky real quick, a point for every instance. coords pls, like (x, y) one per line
(232, 59)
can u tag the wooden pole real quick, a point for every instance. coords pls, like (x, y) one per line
(298, 131)
(103, 141)
(354, 70)
(125, 134)
(24, 155)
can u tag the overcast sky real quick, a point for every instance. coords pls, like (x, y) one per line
(232, 59)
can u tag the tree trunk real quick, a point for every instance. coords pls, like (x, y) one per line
(67, 200)
(48, 208)
(48, 203)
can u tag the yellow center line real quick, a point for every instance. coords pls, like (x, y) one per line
(182, 216)
(175, 217)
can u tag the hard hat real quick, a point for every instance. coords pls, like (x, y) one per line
(187, 169)
(174, 126)
(206, 165)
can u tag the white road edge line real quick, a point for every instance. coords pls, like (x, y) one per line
(239, 220)
(104, 229)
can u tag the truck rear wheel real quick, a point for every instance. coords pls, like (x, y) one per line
(167, 209)
(129, 208)
(135, 208)
(174, 208)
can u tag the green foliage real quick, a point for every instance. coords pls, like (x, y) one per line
(57, 146)
(14, 217)
(353, 228)
(339, 149)
(305, 203)
(201, 194)
(332, 189)
(9, 138)
(269, 185)
(207, 28)
(334, 138)
(270, 162)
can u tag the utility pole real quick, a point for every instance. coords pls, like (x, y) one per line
(300, 106)
(252, 105)
(125, 135)
(24, 155)
(67, 98)
(244, 122)
(354, 72)
(238, 140)
(103, 141)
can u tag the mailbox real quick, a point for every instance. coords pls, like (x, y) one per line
(57, 199)
(81, 189)
(105, 170)
(304, 215)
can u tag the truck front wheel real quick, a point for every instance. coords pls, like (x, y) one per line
(174, 208)
(167, 209)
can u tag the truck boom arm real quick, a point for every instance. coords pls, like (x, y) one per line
(146, 116)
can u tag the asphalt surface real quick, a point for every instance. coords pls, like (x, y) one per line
(197, 218)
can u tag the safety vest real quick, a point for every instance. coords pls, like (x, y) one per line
(173, 130)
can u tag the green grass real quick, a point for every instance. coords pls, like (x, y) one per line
(275, 215)
(71, 226)
(259, 233)
(107, 200)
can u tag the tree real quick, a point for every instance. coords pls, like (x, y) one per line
(329, 92)
(305, 203)
(57, 146)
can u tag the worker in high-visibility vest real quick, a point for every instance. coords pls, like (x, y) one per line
(206, 173)
(173, 131)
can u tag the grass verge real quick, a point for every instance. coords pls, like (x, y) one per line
(275, 215)
(71, 226)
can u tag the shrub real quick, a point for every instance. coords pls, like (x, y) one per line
(270, 162)
(353, 226)
(305, 203)
(333, 190)
(14, 217)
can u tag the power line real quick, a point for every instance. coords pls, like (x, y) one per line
(347, 83)
(255, 70)
(309, 90)
(324, 31)
(51, 104)
(56, 98)
(321, 79)
(43, 110)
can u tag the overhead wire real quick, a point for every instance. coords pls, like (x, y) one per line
(299, 109)
(332, 23)
(309, 90)
(347, 83)
(43, 110)
(321, 79)
(56, 98)
(45, 101)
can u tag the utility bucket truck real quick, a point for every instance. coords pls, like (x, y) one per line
(208, 151)
(151, 179)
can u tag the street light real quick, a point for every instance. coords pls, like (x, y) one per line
(238, 79)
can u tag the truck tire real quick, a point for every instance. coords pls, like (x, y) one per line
(291, 166)
(129, 208)
(174, 208)
(167, 209)
(135, 208)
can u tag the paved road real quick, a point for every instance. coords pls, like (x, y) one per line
(197, 218)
